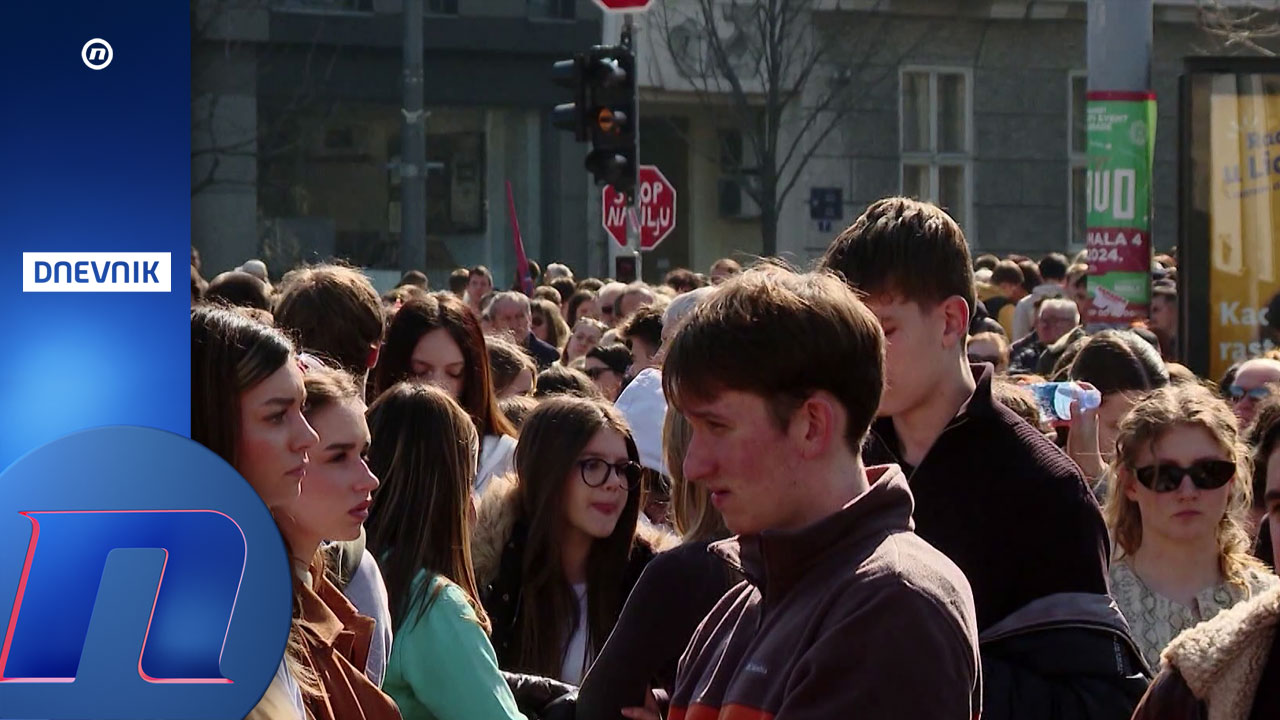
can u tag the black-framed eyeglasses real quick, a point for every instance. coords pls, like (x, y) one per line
(595, 372)
(1238, 393)
(1204, 474)
(595, 472)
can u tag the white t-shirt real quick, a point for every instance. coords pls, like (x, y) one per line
(575, 651)
(497, 457)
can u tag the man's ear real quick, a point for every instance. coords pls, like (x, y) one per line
(374, 351)
(955, 328)
(817, 423)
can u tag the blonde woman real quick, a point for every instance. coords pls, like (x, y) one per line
(656, 624)
(587, 333)
(1176, 511)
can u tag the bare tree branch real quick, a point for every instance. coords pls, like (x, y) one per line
(1241, 26)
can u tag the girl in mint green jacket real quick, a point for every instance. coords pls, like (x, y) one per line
(442, 665)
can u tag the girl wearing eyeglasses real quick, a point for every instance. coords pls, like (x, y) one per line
(556, 549)
(1176, 511)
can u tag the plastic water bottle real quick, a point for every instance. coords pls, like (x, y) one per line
(1086, 399)
(1054, 399)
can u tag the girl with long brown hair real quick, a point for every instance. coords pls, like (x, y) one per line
(442, 664)
(656, 623)
(1175, 512)
(247, 397)
(556, 548)
(438, 340)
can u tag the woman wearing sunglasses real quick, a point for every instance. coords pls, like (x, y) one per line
(556, 549)
(1176, 511)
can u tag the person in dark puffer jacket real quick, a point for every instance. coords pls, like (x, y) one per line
(577, 478)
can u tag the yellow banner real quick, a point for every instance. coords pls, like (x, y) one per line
(1244, 216)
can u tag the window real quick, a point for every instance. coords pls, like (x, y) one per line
(737, 167)
(552, 9)
(1077, 156)
(442, 7)
(937, 139)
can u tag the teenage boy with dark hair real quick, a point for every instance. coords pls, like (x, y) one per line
(333, 311)
(990, 491)
(845, 611)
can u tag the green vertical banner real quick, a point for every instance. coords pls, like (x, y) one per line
(1122, 137)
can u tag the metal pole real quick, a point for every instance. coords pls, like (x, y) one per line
(413, 147)
(1119, 44)
(633, 237)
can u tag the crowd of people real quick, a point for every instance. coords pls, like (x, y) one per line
(756, 493)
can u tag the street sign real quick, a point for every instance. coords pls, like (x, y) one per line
(1121, 134)
(826, 203)
(623, 6)
(657, 215)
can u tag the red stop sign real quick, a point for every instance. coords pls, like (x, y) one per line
(623, 5)
(656, 215)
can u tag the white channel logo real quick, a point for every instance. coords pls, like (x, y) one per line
(96, 54)
(96, 272)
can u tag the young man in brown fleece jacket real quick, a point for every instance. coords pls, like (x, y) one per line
(845, 611)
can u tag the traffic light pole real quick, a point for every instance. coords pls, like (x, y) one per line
(603, 113)
(633, 228)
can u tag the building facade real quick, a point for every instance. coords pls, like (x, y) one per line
(975, 104)
(296, 122)
(978, 105)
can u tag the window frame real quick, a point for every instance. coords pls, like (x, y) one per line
(570, 5)
(932, 158)
(428, 12)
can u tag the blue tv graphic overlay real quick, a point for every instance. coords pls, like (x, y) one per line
(95, 161)
(200, 578)
(140, 577)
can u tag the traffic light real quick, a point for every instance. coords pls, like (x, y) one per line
(603, 111)
(611, 74)
(571, 116)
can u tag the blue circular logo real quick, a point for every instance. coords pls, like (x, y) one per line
(140, 577)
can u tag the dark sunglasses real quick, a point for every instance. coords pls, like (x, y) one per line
(537, 321)
(978, 359)
(595, 472)
(1238, 393)
(1204, 474)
